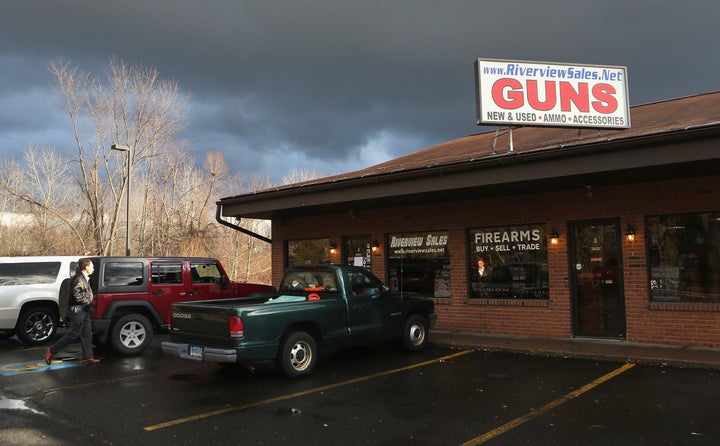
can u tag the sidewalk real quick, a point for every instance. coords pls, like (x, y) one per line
(610, 350)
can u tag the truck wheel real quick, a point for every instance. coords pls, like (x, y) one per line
(415, 336)
(298, 354)
(37, 325)
(132, 334)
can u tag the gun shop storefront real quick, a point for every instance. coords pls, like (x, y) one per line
(537, 231)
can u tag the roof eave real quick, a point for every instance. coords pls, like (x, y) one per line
(325, 192)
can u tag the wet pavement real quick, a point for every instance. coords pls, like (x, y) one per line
(464, 389)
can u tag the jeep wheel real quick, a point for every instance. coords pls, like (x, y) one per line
(415, 336)
(298, 354)
(36, 325)
(132, 334)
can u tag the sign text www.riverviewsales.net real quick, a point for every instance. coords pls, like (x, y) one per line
(520, 93)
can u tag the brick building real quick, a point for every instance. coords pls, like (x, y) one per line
(597, 233)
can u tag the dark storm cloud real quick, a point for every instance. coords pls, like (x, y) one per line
(332, 85)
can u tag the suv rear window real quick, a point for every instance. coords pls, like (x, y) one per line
(166, 273)
(30, 273)
(122, 274)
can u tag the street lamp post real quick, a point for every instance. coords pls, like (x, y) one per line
(128, 149)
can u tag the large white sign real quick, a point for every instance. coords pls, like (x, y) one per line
(520, 93)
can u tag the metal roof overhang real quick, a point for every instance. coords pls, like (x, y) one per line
(686, 153)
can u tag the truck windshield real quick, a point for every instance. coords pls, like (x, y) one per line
(309, 281)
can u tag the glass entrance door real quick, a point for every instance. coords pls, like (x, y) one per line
(596, 276)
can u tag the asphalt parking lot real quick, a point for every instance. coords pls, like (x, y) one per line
(377, 395)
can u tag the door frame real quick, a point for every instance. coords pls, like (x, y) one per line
(574, 297)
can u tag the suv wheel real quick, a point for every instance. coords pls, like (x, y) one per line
(132, 334)
(36, 325)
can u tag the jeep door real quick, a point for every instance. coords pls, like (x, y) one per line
(207, 280)
(166, 284)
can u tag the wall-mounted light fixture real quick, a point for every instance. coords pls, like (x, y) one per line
(554, 237)
(630, 233)
(333, 248)
(375, 246)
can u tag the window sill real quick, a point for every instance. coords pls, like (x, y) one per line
(510, 302)
(707, 307)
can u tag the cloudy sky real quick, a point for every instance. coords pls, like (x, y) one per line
(336, 85)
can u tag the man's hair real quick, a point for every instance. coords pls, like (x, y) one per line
(82, 264)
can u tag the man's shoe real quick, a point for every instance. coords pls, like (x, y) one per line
(90, 361)
(48, 356)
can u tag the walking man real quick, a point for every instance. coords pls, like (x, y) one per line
(80, 327)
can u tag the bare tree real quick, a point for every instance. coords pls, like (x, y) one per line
(49, 185)
(246, 258)
(43, 188)
(251, 257)
(14, 217)
(132, 107)
(299, 175)
(76, 205)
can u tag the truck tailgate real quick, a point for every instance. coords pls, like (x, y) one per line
(205, 322)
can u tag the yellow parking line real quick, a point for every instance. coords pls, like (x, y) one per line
(298, 394)
(546, 408)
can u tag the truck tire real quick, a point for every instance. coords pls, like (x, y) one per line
(132, 334)
(298, 354)
(415, 336)
(37, 325)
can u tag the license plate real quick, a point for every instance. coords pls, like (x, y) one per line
(196, 351)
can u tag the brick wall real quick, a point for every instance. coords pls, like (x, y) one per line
(676, 324)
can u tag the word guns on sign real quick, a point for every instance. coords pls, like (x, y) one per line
(533, 93)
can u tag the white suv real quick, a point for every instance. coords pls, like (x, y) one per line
(29, 288)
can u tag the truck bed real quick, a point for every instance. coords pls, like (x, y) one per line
(208, 322)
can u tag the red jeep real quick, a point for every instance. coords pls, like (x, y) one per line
(133, 295)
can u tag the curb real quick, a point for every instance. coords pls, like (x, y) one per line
(585, 348)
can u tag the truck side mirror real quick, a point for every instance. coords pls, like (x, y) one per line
(224, 281)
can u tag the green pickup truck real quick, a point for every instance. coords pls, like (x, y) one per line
(316, 307)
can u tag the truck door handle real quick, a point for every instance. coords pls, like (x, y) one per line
(158, 292)
(356, 307)
(195, 291)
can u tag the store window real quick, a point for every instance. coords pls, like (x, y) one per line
(684, 257)
(419, 262)
(509, 262)
(358, 251)
(309, 251)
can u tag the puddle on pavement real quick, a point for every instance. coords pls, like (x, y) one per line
(6, 403)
